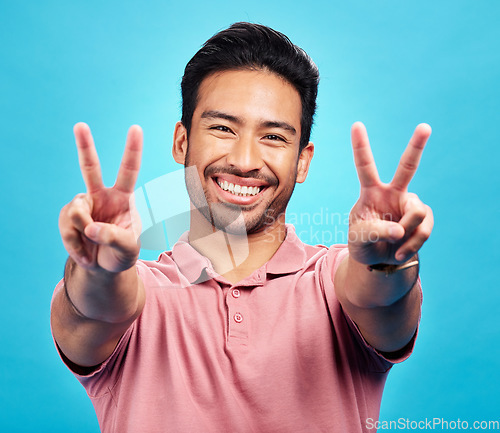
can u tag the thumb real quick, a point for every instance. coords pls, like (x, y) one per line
(112, 235)
(372, 231)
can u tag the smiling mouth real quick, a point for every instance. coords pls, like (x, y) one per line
(239, 190)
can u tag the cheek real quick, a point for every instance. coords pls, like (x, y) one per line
(203, 153)
(284, 166)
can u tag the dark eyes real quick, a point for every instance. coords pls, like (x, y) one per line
(274, 137)
(221, 128)
(271, 137)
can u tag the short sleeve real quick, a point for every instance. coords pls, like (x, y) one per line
(390, 358)
(104, 376)
(369, 356)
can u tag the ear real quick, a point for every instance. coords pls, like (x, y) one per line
(179, 147)
(303, 162)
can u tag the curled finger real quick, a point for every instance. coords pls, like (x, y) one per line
(75, 246)
(414, 213)
(419, 236)
(78, 212)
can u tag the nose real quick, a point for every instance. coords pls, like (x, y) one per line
(245, 154)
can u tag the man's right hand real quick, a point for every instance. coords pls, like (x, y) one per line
(100, 229)
(102, 293)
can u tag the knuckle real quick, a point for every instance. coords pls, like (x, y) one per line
(76, 249)
(409, 164)
(412, 249)
(63, 216)
(77, 216)
(77, 199)
(69, 235)
(415, 199)
(64, 209)
(77, 210)
(420, 212)
(67, 209)
(417, 210)
(71, 211)
(428, 223)
(424, 232)
(429, 212)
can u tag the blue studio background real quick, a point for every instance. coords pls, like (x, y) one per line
(389, 63)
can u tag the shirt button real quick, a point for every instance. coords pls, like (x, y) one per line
(238, 318)
(236, 293)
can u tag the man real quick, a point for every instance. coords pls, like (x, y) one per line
(241, 327)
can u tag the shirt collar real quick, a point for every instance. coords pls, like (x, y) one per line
(289, 257)
(190, 262)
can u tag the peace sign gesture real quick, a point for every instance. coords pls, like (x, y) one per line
(387, 224)
(100, 228)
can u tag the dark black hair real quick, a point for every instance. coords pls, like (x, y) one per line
(250, 46)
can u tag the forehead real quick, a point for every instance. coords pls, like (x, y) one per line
(250, 94)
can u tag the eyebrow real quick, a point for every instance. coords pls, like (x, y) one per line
(282, 125)
(215, 114)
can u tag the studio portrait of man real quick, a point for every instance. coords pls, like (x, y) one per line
(240, 327)
(249, 217)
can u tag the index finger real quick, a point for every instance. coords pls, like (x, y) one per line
(131, 160)
(408, 163)
(363, 157)
(87, 157)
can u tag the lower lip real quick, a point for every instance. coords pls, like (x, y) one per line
(237, 199)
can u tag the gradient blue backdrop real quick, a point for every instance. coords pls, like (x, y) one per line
(389, 63)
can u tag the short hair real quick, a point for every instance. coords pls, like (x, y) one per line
(253, 46)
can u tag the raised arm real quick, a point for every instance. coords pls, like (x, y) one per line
(376, 283)
(102, 293)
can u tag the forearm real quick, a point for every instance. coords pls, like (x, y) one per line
(101, 295)
(370, 289)
(93, 310)
(386, 308)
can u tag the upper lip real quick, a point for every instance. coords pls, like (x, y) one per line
(243, 181)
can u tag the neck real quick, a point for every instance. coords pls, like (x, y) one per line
(235, 256)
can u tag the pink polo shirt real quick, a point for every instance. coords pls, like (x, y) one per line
(272, 353)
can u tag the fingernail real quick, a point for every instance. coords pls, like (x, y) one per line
(400, 257)
(392, 231)
(93, 230)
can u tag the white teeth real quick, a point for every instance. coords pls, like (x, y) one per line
(243, 191)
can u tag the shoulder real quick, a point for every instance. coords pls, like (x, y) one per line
(160, 273)
(163, 267)
(326, 259)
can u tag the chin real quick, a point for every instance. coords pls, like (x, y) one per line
(234, 220)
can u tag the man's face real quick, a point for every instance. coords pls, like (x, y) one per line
(244, 142)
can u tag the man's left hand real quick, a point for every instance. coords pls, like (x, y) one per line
(387, 224)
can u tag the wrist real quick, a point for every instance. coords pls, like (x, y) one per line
(389, 269)
(372, 289)
(101, 295)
